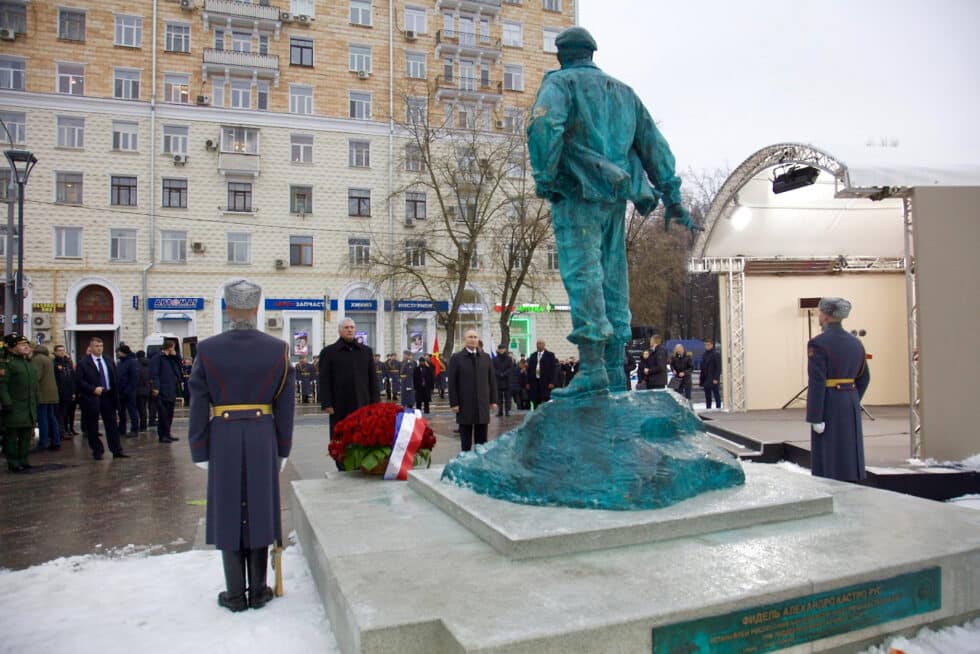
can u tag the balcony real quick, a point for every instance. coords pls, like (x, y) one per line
(480, 7)
(239, 164)
(241, 14)
(469, 44)
(460, 87)
(226, 62)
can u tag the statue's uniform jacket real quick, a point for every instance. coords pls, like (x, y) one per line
(242, 367)
(838, 452)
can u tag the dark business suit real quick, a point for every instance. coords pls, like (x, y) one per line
(539, 377)
(106, 406)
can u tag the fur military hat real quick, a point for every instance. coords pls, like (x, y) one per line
(242, 294)
(575, 38)
(13, 339)
(835, 307)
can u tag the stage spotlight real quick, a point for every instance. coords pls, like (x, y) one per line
(794, 178)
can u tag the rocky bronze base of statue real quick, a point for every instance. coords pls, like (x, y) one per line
(601, 450)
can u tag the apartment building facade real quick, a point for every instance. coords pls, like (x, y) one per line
(183, 144)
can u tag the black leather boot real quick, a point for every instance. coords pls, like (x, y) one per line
(259, 594)
(234, 598)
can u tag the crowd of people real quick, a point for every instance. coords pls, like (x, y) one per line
(128, 395)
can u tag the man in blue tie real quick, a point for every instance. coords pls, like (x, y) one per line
(98, 396)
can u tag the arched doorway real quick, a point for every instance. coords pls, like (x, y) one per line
(94, 306)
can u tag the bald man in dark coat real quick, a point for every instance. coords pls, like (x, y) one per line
(838, 377)
(243, 395)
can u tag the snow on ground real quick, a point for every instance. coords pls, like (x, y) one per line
(129, 601)
(963, 639)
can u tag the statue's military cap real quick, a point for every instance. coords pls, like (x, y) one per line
(575, 38)
(13, 339)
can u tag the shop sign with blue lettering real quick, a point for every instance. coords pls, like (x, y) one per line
(175, 303)
(294, 304)
(360, 305)
(420, 305)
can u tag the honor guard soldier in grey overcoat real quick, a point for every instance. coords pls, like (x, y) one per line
(243, 392)
(838, 377)
(19, 394)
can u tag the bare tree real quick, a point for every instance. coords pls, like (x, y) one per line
(477, 206)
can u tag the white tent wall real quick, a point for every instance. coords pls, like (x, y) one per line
(946, 227)
(776, 333)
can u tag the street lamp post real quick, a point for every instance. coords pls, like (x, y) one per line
(21, 164)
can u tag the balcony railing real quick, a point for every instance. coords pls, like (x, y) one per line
(242, 9)
(239, 164)
(469, 84)
(470, 40)
(450, 4)
(248, 60)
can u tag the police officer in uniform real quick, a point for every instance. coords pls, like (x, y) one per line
(243, 394)
(838, 377)
(19, 395)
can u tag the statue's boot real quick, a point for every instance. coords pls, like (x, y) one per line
(614, 366)
(591, 376)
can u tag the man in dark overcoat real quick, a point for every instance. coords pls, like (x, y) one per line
(425, 379)
(167, 382)
(347, 380)
(243, 394)
(542, 374)
(472, 391)
(19, 396)
(406, 378)
(64, 373)
(503, 368)
(657, 377)
(98, 396)
(128, 369)
(711, 374)
(838, 377)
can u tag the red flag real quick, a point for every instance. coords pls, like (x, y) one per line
(436, 360)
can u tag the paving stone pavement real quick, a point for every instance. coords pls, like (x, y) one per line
(155, 498)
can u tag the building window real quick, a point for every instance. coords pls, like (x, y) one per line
(300, 99)
(239, 247)
(264, 45)
(302, 7)
(16, 123)
(415, 20)
(415, 65)
(300, 51)
(360, 12)
(415, 111)
(302, 148)
(11, 74)
(301, 199)
(178, 38)
(515, 165)
(173, 246)
(514, 121)
(71, 132)
(126, 84)
(174, 194)
(513, 34)
(552, 257)
(360, 251)
(68, 188)
(219, 40)
(359, 202)
(359, 154)
(550, 34)
(360, 105)
(415, 205)
(241, 94)
(14, 17)
(413, 157)
(514, 78)
(551, 5)
(464, 246)
(239, 196)
(123, 191)
(122, 245)
(262, 96)
(129, 31)
(240, 139)
(68, 242)
(71, 79)
(241, 41)
(71, 24)
(218, 92)
(300, 250)
(359, 58)
(175, 139)
(177, 88)
(415, 253)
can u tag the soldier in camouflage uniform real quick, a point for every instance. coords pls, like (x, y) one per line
(19, 397)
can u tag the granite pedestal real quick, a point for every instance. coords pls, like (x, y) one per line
(421, 568)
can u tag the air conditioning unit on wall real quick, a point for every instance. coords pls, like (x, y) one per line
(285, 17)
(273, 323)
(42, 322)
(7, 34)
(363, 74)
(203, 100)
(187, 4)
(180, 159)
(198, 247)
(280, 264)
(411, 35)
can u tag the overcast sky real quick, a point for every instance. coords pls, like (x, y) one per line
(725, 78)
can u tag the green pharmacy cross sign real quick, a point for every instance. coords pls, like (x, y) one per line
(804, 619)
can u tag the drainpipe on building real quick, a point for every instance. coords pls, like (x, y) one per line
(391, 172)
(8, 291)
(153, 179)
